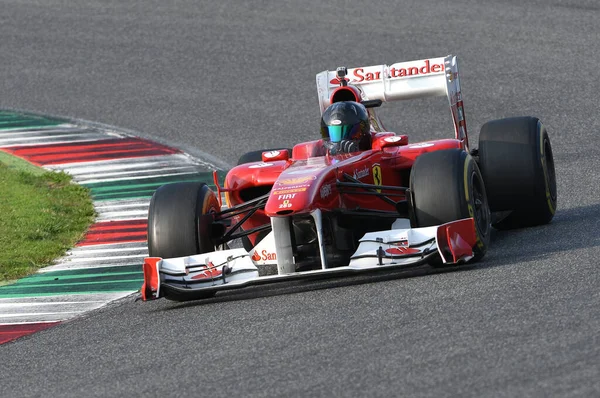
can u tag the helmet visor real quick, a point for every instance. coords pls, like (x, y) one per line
(341, 132)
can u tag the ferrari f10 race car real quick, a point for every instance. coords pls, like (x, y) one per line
(312, 211)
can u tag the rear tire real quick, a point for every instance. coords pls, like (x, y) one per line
(447, 186)
(179, 220)
(515, 157)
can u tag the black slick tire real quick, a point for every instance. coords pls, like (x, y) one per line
(447, 186)
(179, 220)
(515, 157)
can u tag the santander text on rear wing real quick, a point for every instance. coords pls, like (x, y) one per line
(403, 80)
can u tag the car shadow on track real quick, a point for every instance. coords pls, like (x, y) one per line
(573, 228)
(293, 287)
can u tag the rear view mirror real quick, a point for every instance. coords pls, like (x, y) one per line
(270, 156)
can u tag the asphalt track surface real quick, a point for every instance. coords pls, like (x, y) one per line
(226, 77)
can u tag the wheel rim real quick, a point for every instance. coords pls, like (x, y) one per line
(481, 210)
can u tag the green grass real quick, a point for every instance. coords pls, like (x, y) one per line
(42, 215)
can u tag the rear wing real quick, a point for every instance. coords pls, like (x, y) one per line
(401, 81)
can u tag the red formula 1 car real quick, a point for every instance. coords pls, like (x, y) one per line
(312, 212)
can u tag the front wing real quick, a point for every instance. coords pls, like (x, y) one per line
(198, 276)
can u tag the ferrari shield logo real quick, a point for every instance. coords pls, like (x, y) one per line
(377, 180)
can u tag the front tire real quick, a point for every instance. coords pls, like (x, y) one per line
(179, 220)
(515, 157)
(447, 186)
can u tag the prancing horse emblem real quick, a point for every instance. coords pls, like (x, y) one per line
(377, 180)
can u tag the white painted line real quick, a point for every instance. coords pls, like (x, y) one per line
(70, 266)
(40, 128)
(47, 309)
(137, 176)
(37, 314)
(122, 204)
(57, 308)
(51, 130)
(50, 140)
(91, 177)
(132, 178)
(121, 210)
(40, 139)
(39, 317)
(105, 259)
(88, 251)
(91, 297)
(23, 305)
(110, 246)
(117, 206)
(74, 258)
(120, 216)
(26, 323)
(102, 166)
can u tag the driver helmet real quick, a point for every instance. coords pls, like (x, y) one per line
(345, 127)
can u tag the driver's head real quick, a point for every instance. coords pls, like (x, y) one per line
(345, 127)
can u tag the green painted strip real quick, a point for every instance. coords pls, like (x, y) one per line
(10, 120)
(28, 123)
(41, 293)
(4, 115)
(11, 115)
(90, 280)
(110, 285)
(70, 284)
(25, 128)
(50, 279)
(149, 181)
(25, 121)
(144, 187)
(17, 115)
